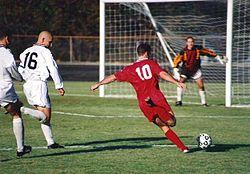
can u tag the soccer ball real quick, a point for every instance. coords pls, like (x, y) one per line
(204, 141)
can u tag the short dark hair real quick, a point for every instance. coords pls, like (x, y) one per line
(142, 48)
(190, 37)
(4, 32)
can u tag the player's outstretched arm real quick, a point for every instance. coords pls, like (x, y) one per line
(106, 80)
(165, 76)
(222, 59)
(14, 73)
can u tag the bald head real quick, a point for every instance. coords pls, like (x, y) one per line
(45, 38)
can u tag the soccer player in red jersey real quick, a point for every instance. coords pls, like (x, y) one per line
(191, 67)
(143, 75)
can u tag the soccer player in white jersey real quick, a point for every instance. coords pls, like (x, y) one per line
(8, 97)
(37, 64)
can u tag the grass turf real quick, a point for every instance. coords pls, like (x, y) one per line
(126, 144)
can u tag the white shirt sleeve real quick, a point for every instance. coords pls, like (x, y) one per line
(11, 67)
(53, 69)
(14, 73)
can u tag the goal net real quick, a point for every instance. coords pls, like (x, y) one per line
(165, 25)
(241, 53)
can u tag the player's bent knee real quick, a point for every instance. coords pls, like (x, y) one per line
(159, 122)
(171, 122)
(14, 108)
(202, 88)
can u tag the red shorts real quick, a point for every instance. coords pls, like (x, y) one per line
(161, 109)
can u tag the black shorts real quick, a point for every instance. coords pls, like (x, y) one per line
(191, 75)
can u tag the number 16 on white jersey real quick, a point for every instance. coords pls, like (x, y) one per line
(37, 63)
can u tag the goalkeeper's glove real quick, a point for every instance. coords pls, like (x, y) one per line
(176, 74)
(222, 59)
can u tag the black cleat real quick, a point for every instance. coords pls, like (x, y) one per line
(55, 146)
(26, 149)
(178, 103)
(205, 105)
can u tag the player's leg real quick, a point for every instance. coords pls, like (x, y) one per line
(34, 113)
(47, 128)
(37, 95)
(169, 133)
(18, 128)
(180, 92)
(202, 91)
(160, 113)
(199, 80)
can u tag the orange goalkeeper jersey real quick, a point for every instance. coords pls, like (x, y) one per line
(191, 58)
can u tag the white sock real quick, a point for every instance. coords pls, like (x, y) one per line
(34, 113)
(203, 97)
(18, 130)
(179, 94)
(47, 131)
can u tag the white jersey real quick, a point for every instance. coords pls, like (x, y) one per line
(8, 70)
(37, 64)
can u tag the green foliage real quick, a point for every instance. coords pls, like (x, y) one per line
(60, 17)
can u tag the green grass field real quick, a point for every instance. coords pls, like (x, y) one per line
(104, 135)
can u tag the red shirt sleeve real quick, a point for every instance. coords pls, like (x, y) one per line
(156, 69)
(122, 75)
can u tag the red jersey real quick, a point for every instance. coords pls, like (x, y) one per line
(143, 75)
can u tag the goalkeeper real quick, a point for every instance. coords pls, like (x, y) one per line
(187, 65)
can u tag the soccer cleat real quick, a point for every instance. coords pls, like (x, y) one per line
(55, 146)
(205, 105)
(184, 150)
(178, 103)
(26, 149)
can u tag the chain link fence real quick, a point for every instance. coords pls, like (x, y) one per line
(66, 49)
(85, 49)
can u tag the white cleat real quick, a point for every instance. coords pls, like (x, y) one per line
(185, 151)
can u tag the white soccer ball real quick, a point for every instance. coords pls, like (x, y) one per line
(204, 141)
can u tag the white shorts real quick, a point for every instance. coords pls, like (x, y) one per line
(37, 94)
(196, 76)
(7, 94)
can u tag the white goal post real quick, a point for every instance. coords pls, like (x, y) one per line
(119, 32)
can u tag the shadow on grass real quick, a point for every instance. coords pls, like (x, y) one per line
(96, 149)
(220, 148)
(140, 139)
(215, 148)
(110, 147)
(105, 148)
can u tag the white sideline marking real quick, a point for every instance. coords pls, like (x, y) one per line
(67, 94)
(95, 116)
(93, 147)
(137, 116)
(45, 147)
(169, 98)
